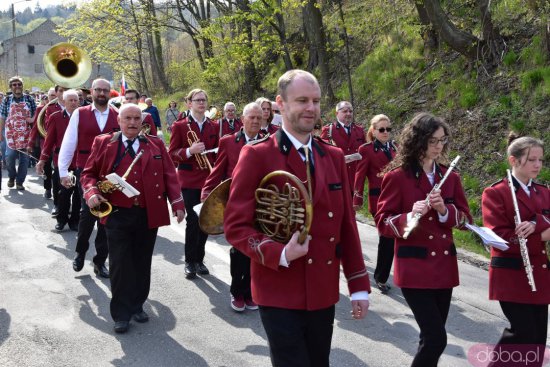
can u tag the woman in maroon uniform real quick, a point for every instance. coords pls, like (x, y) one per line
(267, 117)
(376, 154)
(526, 310)
(425, 267)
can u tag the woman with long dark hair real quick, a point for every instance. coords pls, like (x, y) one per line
(425, 264)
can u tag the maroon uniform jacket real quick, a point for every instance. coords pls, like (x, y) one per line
(146, 118)
(153, 176)
(507, 277)
(271, 129)
(349, 144)
(427, 258)
(34, 131)
(59, 121)
(228, 155)
(190, 176)
(224, 127)
(50, 110)
(88, 129)
(310, 282)
(373, 160)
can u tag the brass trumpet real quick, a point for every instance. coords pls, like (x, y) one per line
(107, 187)
(202, 160)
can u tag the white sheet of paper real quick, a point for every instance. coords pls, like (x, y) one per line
(489, 237)
(127, 189)
(197, 208)
(352, 157)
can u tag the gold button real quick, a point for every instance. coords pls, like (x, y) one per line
(329, 262)
(135, 181)
(159, 196)
(430, 218)
(157, 185)
(446, 252)
(310, 261)
(431, 237)
(444, 236)
(135, 173)
(330, 215)
(543, 251)
(544, 266)
(154, 174)
(331, 239)
(433, 253)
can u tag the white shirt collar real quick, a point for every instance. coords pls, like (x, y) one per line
(94, 108)
(343, 125)
(297, 144)
(248, 139)
(524, 186)
(197, 121)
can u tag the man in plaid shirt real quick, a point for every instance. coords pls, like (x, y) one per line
(16, 113)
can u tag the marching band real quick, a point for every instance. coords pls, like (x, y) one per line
(416, 199)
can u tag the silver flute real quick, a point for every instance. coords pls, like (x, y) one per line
(416, 217)
(522, 241)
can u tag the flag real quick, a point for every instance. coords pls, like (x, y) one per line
(123, 85)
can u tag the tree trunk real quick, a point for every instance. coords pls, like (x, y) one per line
(157, 41)
(318, 53)
(251, 80)
(429, 35)
(347, 60)
(282, 36)
(492, 40)
(139, 45)
(460, 41)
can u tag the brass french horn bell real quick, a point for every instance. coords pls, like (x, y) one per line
(68, 66)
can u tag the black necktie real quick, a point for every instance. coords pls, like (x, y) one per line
(308, 159)
(348, 130)
(231, 126)
(130, 148)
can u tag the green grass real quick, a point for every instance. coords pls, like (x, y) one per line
(470, 242)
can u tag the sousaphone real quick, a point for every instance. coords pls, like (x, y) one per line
(65, 65)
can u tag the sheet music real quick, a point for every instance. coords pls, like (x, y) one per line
(197, 208)
(489, 237)
(352, 157)
(126, 188)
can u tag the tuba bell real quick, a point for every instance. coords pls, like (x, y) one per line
(66, 65)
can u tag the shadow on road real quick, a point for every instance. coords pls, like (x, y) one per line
(5, 321)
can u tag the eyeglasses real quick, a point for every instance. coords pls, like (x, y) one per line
(199, 100)
(100, 90)
(384, 129)
(16, 85)
(433, 141)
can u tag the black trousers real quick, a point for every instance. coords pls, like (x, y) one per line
(528, 328)
(131, 244)
(384, 259)
(430, 308)
(68, 202)
(86, 227)
(195, 238)
(239, 265)
(55, 183)
(298, 338)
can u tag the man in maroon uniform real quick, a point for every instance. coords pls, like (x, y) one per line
(133, 224)
(296, 285)
(85, 124)
(190, 137)
(346, 135)
(58, 122)
(228, 155)
(229, 124)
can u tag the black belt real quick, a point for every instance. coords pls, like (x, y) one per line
(84, 151)
(506, 262)
(185, 166)
(57, 150)
(419, 252)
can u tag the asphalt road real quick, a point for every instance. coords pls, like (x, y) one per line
(52, 316)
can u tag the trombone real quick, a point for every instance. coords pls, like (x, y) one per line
(202, 160)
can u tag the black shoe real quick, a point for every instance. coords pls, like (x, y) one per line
(20, 187)
(48, 194)
(78, 262)
(101, 270)
(202, 269)
(73, 226)
(55, 212)
(384, 288)
(141, 317)
(121, 326)
(59, 226)
(11, 183)
(190, 270)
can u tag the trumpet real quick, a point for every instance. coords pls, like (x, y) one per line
(411, 225)
(107, 187)
(202, 160)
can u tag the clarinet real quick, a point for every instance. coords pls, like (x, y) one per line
(522, 241)
(416, 217)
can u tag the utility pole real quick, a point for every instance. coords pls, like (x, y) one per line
(13, 38)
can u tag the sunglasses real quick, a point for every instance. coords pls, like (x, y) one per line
(384, 129)
(16, 85)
